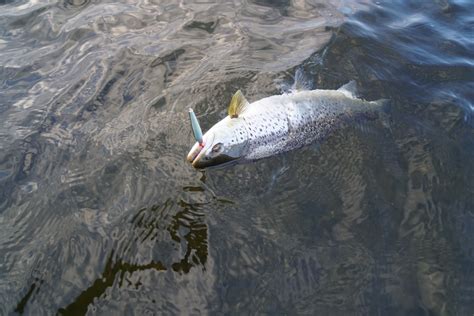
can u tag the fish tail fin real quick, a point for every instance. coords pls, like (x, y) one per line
(384, 105)
(385, 110)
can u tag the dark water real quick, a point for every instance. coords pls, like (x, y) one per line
(101, 214)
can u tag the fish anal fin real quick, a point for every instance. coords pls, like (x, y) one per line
(237, 105)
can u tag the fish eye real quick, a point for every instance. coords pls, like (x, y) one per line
(217, 147)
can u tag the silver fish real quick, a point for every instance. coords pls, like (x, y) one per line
(280, 123)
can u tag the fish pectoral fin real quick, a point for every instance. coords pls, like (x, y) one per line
(237, 105)
(349, 89)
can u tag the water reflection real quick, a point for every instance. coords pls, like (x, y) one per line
(114, 272)
(174, 231)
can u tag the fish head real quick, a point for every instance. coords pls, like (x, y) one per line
(224, 142)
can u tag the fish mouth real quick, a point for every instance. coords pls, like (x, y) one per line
(199, 149)
(197, 155)
(219, 161)
(194, 152)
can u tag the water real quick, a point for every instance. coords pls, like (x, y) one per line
(101, 214)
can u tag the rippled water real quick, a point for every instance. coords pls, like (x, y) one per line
(101, 214)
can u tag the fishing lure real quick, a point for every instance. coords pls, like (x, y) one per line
(196, 128)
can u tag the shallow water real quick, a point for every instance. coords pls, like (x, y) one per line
(101, 214)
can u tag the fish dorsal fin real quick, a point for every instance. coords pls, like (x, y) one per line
(237, 104)
(301, 81)
(349, 89)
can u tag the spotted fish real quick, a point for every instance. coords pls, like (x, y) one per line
(280, 123)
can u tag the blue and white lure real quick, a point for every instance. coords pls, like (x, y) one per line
(195, 127)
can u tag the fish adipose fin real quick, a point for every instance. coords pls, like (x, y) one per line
(237, 105)
(349, 89)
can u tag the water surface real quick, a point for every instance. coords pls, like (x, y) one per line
(101, 214)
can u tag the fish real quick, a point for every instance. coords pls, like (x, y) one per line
(280, 123)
